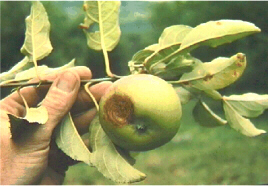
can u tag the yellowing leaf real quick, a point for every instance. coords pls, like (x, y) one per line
(39, 115)
(34, 115)
(106, 15)
(70, 142)
(239, 123)
(109, 160)
(249, 104)
(204, 116)
(37, 44)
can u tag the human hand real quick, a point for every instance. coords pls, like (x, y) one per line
(35, 158)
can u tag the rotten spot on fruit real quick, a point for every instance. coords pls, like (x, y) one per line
(119, 110)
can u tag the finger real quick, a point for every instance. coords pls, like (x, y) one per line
(60, 98)
(84, 73)
(83, 121)
(84, 101)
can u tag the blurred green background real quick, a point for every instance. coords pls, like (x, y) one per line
(196, 155)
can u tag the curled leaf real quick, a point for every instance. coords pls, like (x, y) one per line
(239, 123)
(109, 160)
(249, 104)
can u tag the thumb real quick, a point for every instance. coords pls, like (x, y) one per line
(60, 98)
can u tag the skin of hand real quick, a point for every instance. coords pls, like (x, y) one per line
(35, 159)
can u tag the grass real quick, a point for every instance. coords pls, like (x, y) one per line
(196, 155)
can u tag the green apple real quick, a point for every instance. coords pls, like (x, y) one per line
(140, 112)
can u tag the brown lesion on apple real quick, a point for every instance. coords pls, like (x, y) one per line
(119, 110)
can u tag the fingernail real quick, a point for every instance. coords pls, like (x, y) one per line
(67, 82)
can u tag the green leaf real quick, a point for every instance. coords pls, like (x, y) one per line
(136, 64)
(175, 68)
(239, 123)
(169, 41)
(173, 35)
(170, 38)
(37, 44)
(215, 33)
(109, 160)
(216, 74)
(70, 142)
(204, 116)
(249, 104)
(105, 14)
(212, 33)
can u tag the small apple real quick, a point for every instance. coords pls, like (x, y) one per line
(140, 112)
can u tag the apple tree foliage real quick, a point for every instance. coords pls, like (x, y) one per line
(170, 59)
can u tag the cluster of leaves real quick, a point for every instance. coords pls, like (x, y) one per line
(169, 59)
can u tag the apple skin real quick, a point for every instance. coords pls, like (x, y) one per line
(140, 112)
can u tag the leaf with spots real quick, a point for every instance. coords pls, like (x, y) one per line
(113, 162)
(70, 142)
(216, 74)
